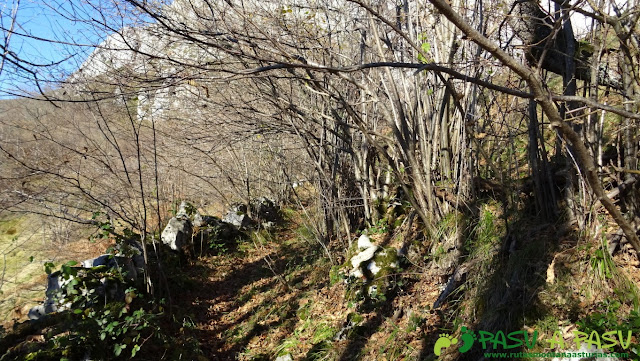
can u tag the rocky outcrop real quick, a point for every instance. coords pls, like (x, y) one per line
(209, 226)
(364, 242)
(190, 231)
(205, 221)
(129, 267)
(178, 232)
(54, 285)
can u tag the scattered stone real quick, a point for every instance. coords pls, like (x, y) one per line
(126, 265)
(364, 242)
(102, 260)
(372, 290)
(371, 267)
(54, 284)
(363, 256)
(205, 221)
(237, 216)
(265, 210)
(177, 233)
(269, 226)
(198, 220)
(182, 210)
(132, 249)
(38, 311)
(57, 283)
(380, 270)
(370, 270)
(616, 242)
(352, 322)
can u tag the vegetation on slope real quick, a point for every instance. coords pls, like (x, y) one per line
(371, 120)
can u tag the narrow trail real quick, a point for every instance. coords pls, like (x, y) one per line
(238, 299)
(241, 307)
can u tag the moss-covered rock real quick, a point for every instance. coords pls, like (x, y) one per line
(382, 269)
(368, 272)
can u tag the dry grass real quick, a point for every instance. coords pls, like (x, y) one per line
(25, 246)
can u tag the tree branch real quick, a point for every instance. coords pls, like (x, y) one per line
(544, 98)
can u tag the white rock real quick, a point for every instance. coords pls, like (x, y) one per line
(364, 242)
(357, 273)
(102, 260)
(198, 221)
(177, 233)
(37, 312)
(182, 210)
(373, 290)
(363, 256)
(373, 268)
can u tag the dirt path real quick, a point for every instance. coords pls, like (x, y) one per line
(242, 307)
(240, 302)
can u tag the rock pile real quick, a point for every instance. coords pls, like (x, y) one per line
(238, 216)
(370, 268)
(189, 225)
(88, 280)
(262, 212)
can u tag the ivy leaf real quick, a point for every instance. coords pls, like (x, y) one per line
(117, 349)
(134, 350)
(48, 267)
(425, 49)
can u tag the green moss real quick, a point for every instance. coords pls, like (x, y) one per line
(322, 351)
(398, 221)
(303, 312)
(378, 276)
(584, 50)
(355, 317)
(384, 281)
(334, 275)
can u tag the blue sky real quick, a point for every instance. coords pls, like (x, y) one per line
(56, 35)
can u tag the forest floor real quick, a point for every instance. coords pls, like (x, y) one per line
(272, 296)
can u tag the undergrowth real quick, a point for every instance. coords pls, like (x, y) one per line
(278, 294)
